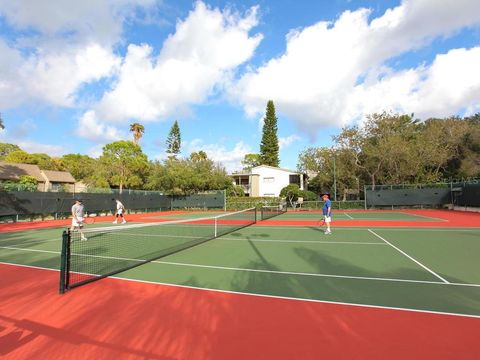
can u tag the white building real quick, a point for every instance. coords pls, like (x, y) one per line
(267, 180)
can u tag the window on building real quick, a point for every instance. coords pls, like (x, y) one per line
(58, 187)
(295, 179)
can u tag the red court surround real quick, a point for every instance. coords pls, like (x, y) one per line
(115, 319)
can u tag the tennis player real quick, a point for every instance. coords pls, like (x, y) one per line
(327, 213)
(120, 211)
(78, 215)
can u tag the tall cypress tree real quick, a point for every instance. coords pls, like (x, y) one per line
(174, 140)
(269, 145)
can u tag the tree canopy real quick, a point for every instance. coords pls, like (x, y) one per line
(395, 149)
(137, 130)
(124, 164)
(251, 161)
(174, 140)
(269, 148)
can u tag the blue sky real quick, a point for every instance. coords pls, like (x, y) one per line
(73, 75)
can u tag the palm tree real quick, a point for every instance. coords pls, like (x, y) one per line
(1, 122)
(137, 130)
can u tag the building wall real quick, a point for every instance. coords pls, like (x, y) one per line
(271, 181)
(255, 186)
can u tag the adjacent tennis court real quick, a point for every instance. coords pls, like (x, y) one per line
(405, 262)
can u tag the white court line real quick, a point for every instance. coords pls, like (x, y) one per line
(262, 271)
(359, 228)
(421, 216)
(302, 241)
(272, 296)
(348, 215)
(408, 256)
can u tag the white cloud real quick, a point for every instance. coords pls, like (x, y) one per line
(230, 158)
(99, 19)
(69, 44)
(284, 142)
(91, 128)
(196, 59)
(451, 82)
(314, 81)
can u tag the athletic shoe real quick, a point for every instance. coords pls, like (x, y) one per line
(124, 222)
(83, 238)
(328, 232)
(114, 222)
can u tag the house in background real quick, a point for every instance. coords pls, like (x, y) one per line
(13, 172)
(48, 180)
(264, 180)
(56, 181)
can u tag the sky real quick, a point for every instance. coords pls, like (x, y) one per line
(75, 74)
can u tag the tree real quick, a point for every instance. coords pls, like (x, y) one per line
(198, 156)
(124, 164)
(290, 193)
(174, 140)
(1, 122)
(251, 161)
(381, 148)
(327, 166)
(19, 157)
(82, 167)
(28, 183)
(187, 176)
(269, 145)
(138, 130)
(6, 149)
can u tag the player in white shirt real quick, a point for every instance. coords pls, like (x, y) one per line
(78, 215)
(120, 211)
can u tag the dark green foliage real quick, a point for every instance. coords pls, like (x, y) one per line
(43, 161)
(307, 195)
(26, 183)
(6, 149)
(251, 161)
(269, 149)
(187, 176)
(174, 140)
(124, 164)
(82, 167)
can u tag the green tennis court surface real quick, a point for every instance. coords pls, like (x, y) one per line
(315, 215)
(422, 269)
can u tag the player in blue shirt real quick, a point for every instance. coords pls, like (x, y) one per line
(327, 213)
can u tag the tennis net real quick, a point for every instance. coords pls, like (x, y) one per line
(268, 212)
(109, 250)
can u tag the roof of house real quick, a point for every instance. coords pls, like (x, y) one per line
(249, 172)
(59, 176)
(13, 171)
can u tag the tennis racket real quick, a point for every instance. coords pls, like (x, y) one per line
(321, 222)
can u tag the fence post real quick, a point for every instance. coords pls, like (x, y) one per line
(365, 195)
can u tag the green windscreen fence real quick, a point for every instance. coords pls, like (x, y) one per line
(437, 195)
(42, 203)
(468, 195)
(408, 197)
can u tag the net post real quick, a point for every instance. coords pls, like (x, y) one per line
(216, 227)
(64, 261)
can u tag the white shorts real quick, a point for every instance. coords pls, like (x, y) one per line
(328, 219)
(120, 211)
(78, 222)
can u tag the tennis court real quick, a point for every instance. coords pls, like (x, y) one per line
(377, 270)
